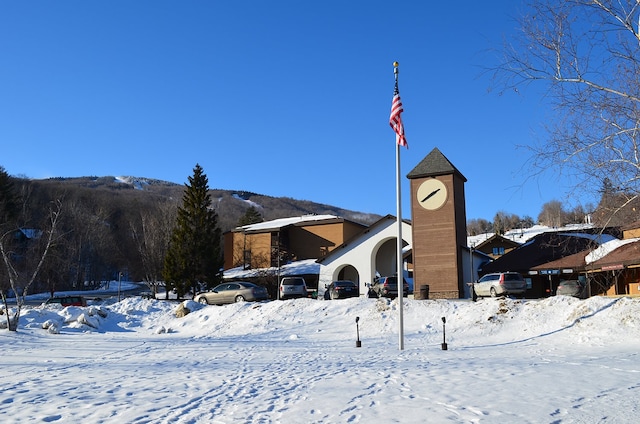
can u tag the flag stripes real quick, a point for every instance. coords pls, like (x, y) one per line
(395, 120)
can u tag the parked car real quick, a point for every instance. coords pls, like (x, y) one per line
(340, 290)
(236, 291)
(67, 301)
(500, 284)
(292, 287)
(573, 288)
(388, 287)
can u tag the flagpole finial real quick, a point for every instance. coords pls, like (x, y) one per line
(395, 67)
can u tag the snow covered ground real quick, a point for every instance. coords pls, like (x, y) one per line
(557, 360)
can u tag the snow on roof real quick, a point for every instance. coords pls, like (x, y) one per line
(522, 235)
(306, 266)
(284, 222)
(605, 248)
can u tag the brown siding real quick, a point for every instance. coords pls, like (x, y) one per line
(436, 258)
(229, 261)
(304, 242)
(632, 233)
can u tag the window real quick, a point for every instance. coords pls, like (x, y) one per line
(498, 251)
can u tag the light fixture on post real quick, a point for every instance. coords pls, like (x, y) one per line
(444, 338)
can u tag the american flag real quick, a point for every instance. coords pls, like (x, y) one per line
(395, 120)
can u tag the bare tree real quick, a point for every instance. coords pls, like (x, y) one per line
(152, 234)
(20, 277)
(552, 214)
(478, 226)
(586, 55)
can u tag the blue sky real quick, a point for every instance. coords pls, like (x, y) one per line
(283, 98)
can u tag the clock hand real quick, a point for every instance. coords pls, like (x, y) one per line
(430, 195)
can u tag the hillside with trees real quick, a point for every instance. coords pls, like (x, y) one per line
(110, 225)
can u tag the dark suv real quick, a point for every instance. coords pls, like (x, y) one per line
(499, 284)
(388, 287)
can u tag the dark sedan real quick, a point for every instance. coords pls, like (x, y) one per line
(237, 291)
(341, 290)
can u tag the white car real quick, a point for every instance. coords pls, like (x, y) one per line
(500, 284)
(291, 287)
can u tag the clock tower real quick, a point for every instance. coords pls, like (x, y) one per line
(439, 227)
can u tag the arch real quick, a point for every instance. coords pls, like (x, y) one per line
(384, 256)
(347, 272)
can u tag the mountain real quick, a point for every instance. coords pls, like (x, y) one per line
(231, 205)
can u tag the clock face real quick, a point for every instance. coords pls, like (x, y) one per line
(432, 194)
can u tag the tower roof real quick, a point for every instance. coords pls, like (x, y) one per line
(435, 163)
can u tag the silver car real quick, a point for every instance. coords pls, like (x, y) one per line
(500, 284)
(573, 288)
(291, 287)
(237, 291)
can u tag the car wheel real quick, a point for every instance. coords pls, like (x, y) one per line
(203, 300)
(240, 298)
(493, 292)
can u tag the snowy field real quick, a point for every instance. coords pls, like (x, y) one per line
(558, 360)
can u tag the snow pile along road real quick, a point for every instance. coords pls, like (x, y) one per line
(296, 362)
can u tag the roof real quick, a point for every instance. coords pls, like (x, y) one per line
(435, 163)
(546, 248)
(303, 267)
(623, 255)
(278, 224)
(575, 261)
(382, 221)
(498, 237)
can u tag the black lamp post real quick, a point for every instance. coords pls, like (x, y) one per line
(444, 338)
(119, 284)
(358, 342)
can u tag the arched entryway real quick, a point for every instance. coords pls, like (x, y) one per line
(385, 258)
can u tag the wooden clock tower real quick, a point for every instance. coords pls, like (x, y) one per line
(439, 227)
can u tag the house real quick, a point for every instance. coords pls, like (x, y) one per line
(535, 258)
(611, 268)
(320, 248)
(616, 270)
(282, 241)
(371, 253)
(496, 246)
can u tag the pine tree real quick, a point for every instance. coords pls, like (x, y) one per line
(8, 198)
(251, 216)
(194, 257)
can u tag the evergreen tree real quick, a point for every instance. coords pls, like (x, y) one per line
(251, 216)
(194, 257)
(8, 198)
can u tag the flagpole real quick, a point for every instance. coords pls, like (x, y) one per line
(400, 271)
